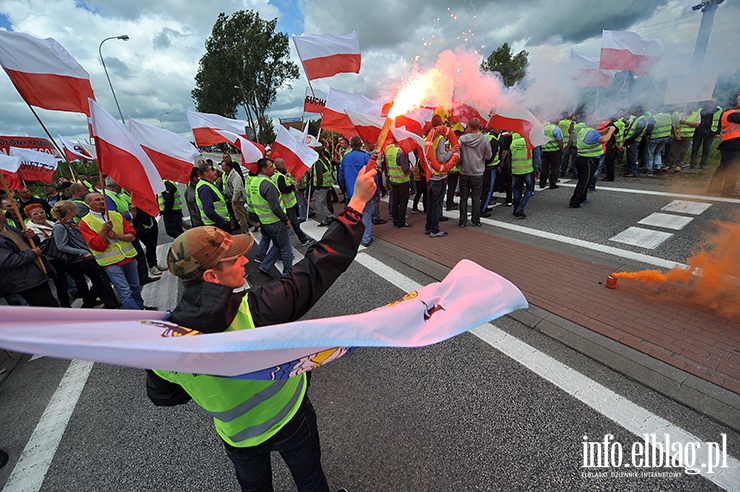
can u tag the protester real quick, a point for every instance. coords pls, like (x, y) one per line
(211, 202)
(191, 201)
(352, 164)
(726, 176)
(474, 151)
(589, 144)
(287, 186)
(323, 181)
(436, 174)
(236, 193)
(170, 206)
(522, 172)
(398, 175)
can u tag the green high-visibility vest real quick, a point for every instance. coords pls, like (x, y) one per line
(564, 126)
(686, 130)
(289, 200)
(621, 125)
(587, 150)
(497, 156)
(520, 163)
(715, 120)
(117, 250)
(219, 205)
(259, 204)
(245, 412)
(122, 205)
(395, 173)
(322, 167)
(178, 199)
(553, 145)
(662, 127)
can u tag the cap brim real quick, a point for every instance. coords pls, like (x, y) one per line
(240, 245)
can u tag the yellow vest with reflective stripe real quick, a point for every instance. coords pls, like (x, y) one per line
(588, 150)
(245, 412)
(662, 127)
(117, 250)
(520, 163)
(497, 156)
(289, 200)
(259, 204)
(219, 205)
(178, 199)
(395, 173)
(552, 145)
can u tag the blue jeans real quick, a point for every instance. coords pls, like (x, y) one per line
(525, 183)
(298, 444)
(280, 234)
(489, 182)
(300, 195)
(263, 246)
(655, 153)
(125, 279)
(434, 201)
(632, 149)
(367, 220)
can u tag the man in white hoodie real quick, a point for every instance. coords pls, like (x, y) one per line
(475, 150)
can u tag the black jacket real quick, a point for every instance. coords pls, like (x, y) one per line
(19, 269)
(210, 308)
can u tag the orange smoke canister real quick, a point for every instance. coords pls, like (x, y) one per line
(611, 282)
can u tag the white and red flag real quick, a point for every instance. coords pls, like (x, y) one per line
(408, 141)
(172, 155)
(514, 118)
(325, 55)
(205, 127)
(338, 102)
(74, 151)
(368, 127)
(418, 120)
(298, 157)
(463, 113)
(121, 157)
(585, 71)
(626, 50)
(314, 102)
(9, 168)
(44, 73)
(35, 165)
(251, 152)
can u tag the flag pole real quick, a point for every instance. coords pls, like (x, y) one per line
(22, 224)
(61, 154)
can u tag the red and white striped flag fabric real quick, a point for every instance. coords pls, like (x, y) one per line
(9, 169)
(298, 157)
(462, 113)
(35, 165)
(408, 141)
(626, 50)
(251, 152)
(172, 155)
(73, 151)
(205, 126)
(368, 127)
(44, 73)
(514, 118)
(122, 158)
(325, 55)
(417, 121)
(585, 72)
(314, 102)
(338, 102)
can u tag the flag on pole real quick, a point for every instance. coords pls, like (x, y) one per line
(368, 127)
(408, 141)
(335, 118)
(325, 55)
(205, 126)
(585, 71)
(9, 168)
(251, 152)
(298, 157)
(121, 157)
(463, 113)
(626, 50)
(172, 155)
(35, 165)
(314, 102)
(469, 296)
(418, 120)
(44, 73)
(514, 118)
(74, 152)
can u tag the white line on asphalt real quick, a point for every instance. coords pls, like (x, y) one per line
(29, 472)
(659, 193)
(666, 221)
(615, 407)
(642, 238)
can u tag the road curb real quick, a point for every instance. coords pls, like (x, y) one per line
(702, 396)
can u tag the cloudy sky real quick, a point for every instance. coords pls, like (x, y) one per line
(153, 73)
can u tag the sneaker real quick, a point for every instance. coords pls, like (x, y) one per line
(151, 308)
(154, 272)
(414, 210)
(162, 268)
(308, 242)
(461, 224)
(258, 260)
(404, 226)
(519, 213)
(379, 221)
(427, 232)
(485, 214)
(368, 243)
(438, 234)
(477, 224)
(508, 204)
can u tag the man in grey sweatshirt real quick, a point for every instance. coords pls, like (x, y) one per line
(474, 151)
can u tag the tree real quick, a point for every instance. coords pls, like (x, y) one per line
(511, 68)
(246, 62)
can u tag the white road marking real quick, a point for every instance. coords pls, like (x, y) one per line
(686, 207)
(666, 221)
(29, 472)
(613, 406)
(660, 193)
(642, 238)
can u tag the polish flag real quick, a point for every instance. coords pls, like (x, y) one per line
(251, 152)
(121, 157)
(35, 165)
(325, 55)
(626, 50)
(586, 72)
(368, 127)
(205, 126)
(44, 73)
(9, 168)
(338, 102)
(408, 141)
(514, 118)
(172, 155)
(464, 112)
(416, 121)
(314, 102)
(298, 157)
(74, 152)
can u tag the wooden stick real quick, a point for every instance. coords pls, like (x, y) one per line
(17, 211)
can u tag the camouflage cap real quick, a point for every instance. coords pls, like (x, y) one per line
(201, 248)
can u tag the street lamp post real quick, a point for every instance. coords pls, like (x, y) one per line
(123, 37)
(160, 118)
